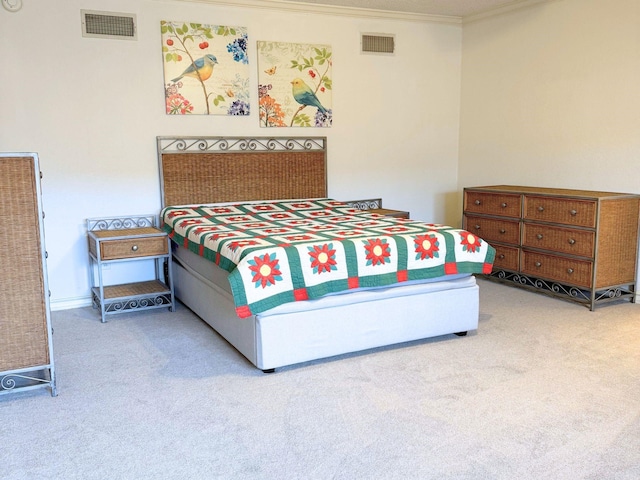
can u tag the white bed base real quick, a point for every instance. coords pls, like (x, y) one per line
(326, 327)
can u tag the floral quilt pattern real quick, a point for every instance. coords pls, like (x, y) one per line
(287, 251)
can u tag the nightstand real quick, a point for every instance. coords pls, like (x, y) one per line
(374, 205)
(128, 239)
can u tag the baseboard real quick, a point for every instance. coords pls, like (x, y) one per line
(69, 303)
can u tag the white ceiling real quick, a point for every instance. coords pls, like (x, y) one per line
(456, 8)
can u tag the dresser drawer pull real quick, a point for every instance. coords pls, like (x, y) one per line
(503, 231)
(477, 227)
(134, 248)
(538, 264)
(569, 271)
(573, 213)
(572, 241)
(501, 256)
(539, 236)
(504, 205)
(541, 208)
(478, 202)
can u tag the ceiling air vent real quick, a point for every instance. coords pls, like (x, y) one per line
(378, 43)
(108, 25)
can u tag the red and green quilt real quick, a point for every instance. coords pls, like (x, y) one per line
(286, 251)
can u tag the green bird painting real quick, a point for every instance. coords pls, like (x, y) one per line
(303, 94)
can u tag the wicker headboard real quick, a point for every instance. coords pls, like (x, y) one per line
(198, 170)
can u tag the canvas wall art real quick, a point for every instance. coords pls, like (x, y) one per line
(206, 69)
(295, 85)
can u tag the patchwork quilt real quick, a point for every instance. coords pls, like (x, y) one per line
(286, 251)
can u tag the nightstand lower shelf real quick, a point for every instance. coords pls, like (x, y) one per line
(133, 297)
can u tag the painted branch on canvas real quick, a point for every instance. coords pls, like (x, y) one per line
(294, 85)
(206, 69)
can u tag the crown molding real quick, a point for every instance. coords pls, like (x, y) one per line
(332, 10)
(300, 7)
(508, 7)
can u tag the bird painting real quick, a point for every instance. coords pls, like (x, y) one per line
(201, 68)
(303, 94)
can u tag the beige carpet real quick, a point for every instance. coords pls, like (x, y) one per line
(544, 390)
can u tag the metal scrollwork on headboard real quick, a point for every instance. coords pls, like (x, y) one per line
(237, 144)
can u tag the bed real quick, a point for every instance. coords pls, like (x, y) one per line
(207, 175)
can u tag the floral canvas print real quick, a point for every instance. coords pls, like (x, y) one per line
(206, 69)
(294, 85)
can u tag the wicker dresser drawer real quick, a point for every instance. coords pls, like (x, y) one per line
(494, 230)
(557, 239)
(566, 211)
(502, 204)
(560, 269)
(507, 258)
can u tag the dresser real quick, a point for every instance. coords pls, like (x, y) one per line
(576, 244)
(26, 350)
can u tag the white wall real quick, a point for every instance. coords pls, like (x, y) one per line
(91, 108)
(551, 97)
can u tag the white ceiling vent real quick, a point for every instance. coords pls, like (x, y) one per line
(378, 43)
(109, 25)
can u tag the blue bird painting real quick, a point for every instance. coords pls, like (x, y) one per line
(303, 94)
(202, 66)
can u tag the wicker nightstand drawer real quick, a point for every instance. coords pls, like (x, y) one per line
(560, 269)
(565, 240)
(133, 247)
(560, 210)
(502, 204)
(389, 213)
(493, 230)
